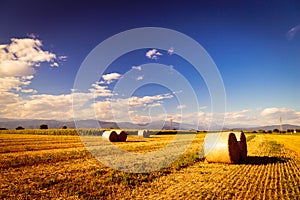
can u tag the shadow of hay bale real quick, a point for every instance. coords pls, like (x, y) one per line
(264, 160)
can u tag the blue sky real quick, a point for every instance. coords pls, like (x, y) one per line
(253, 44)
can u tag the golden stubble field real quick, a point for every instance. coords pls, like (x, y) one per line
(47, 167)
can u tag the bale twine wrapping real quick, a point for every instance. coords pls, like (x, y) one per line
(112, 136)
(221, 148)
(242, 142)
(122, 136)
(144, 133)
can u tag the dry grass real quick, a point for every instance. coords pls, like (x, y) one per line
(289, 141)
(54, 171)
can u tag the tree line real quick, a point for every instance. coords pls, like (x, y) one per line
(42, 126)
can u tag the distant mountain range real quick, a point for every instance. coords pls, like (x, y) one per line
(271, 127)
(35, 123)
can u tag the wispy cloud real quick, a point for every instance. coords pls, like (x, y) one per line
(139, 68)
(147, 100)
(32, 91)
(153, 54)
(171, 51)
(180, 107)
(63, 58)
(202, 107)
(267, 116)
(32, 35)
(139, 78)
(99, 90)
(292, 32)
(129, 109)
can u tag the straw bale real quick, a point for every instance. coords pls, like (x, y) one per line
(242, 142)
(122, 136)
(112, 136)
(221, 147)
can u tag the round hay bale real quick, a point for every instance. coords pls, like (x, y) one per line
(112, 136)
(144, 133)
(242, 142)
(122, 136)
(221, 148)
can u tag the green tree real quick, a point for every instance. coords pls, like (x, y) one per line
(43, 126)
(20, 128)
(276, 130)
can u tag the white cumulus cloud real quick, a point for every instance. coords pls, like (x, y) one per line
(21, 56)
(18, 61)
(275, 113)
(153, 54)
(109, 78)
(16, 84)
(55, 64)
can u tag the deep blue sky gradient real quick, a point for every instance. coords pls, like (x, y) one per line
(246, 39)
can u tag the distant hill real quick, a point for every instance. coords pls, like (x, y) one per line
(35, 123)
(271, 127)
